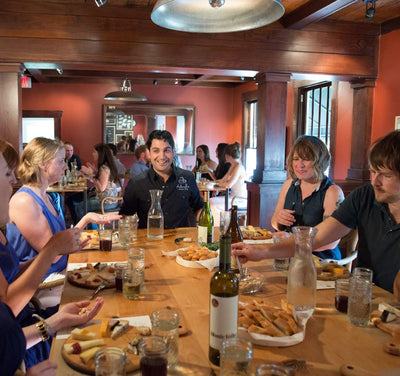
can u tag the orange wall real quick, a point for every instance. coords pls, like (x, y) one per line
(387, 90)
(217, 117)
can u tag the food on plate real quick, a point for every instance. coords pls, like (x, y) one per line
(80, 346)
(255, 233)
(92, 276)
(259, 317)
(331, 271)
(92, 236)
(118, 327)
(82, 334)
(79, 354)
(197, 253)
(250, 282)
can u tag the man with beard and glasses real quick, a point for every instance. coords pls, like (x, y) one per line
(181, 200)
(374, 209)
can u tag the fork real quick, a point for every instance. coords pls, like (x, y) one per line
(101, 287)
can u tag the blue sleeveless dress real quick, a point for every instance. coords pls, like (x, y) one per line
(23, 249)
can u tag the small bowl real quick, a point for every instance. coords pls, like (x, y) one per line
(251, 283)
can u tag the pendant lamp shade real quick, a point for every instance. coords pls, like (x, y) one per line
(125, 94)
(216, 16)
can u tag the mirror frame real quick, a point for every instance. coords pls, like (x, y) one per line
(151, 110)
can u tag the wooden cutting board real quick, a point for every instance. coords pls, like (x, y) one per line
(74, 361)
(393, 328)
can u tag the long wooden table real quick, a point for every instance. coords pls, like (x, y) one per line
(330, 339)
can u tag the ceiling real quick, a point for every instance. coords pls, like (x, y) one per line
(298, 14)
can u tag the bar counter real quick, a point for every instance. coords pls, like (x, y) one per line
(330, 339)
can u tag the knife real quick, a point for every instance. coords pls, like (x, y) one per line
(101, 287)
(350, 370)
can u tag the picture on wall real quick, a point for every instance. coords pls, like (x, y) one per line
(110, 134)
(397, 122)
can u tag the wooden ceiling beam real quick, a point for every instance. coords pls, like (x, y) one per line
(313, 11)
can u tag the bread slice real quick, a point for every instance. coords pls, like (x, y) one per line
(268, 325)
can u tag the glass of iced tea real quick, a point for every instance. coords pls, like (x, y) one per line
(105, 239)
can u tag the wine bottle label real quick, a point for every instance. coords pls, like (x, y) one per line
(223, 319)
(202, 235)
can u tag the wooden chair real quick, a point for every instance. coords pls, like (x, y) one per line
(111, 198)
(348, 249)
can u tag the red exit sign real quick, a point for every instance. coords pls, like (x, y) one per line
(26, 82)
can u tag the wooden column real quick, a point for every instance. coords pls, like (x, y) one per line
(363, 96)
(11, 108)
(270, 173)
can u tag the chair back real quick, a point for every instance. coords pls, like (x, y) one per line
(348, 249)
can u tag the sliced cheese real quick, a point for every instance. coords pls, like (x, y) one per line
(103, 327)
(89, 354)
(73, 347)
(82, 334)
(119, 328)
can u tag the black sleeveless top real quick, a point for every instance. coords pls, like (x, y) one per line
(310, 211)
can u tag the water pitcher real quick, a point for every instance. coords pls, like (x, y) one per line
(155, 217)
(302, 277)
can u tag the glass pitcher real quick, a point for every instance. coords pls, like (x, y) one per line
(155, 216)
(302, 276)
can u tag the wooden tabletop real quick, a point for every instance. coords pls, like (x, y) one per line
(330, 339)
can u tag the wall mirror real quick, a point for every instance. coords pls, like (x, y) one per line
(139, 120)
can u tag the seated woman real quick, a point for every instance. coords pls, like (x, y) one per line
(104, 174)
(234, 179)
(204, 164)
(223, 165)
(309, 196)
(19, 282)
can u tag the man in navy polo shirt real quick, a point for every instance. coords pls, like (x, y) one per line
(374, 209)
(181, 200)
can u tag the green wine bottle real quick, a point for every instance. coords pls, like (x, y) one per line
(206, 223)
(224, 299)
(236, 234)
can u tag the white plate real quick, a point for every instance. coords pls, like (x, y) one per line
(261, 241)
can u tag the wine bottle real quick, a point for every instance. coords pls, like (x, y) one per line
(206, 223)
(236, 233)
(224, 299)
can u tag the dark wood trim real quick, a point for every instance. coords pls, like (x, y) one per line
(313, 11)
(390, 25)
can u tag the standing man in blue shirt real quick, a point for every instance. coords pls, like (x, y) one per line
(181, 199)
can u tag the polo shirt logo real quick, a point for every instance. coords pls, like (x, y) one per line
(182, 184)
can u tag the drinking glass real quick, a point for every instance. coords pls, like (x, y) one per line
(273, 369)
(236, 356)
(165, 323)
(153, 356)
(131, 280)
(110, 361)
(136, 259)
(119, 268)
(105, 238)
(363, 273)
(124, 232)
(133, 220)
(281, 263)
(359, 305)
(342, 294)
(224, 221)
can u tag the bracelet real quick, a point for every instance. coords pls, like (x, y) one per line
(44, 328)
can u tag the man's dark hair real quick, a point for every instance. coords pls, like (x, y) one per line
(139, 150)
(385, 152)
(160, 135)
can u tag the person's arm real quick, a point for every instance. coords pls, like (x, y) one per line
(283, 217)
(78, 162)
(72, 314)
(98, 218)
(328, 231)
(231, 176)
(20, 291)
(334, 196)
(102, 181)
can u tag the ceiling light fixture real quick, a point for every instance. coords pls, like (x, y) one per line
(370, 8)
(213, 16)
(100, 3)
(125, 94)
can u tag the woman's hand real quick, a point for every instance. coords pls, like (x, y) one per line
(285, 217)
(64, 242)
(76, 313)
(102, 219)
(46, 368)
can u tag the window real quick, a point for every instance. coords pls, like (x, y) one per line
(315, 111)
(250, 132)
